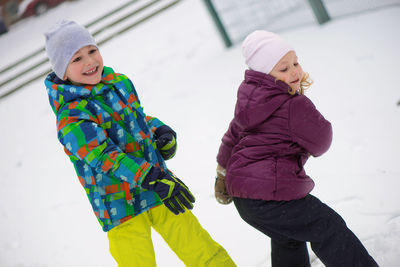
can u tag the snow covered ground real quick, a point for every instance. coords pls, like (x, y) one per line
(188, 79)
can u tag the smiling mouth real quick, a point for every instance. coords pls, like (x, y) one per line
(296, 81)
(91, 71)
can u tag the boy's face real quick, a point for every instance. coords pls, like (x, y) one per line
(288, 70)
(85, 67)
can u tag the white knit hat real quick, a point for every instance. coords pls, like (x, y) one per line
(262, 50)
(63, 40)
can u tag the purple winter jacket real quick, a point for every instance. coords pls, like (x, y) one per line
(270, 139)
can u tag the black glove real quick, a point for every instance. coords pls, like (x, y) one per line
(166, 141)
(172, 191)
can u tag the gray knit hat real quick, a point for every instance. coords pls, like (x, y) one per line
(63, 40)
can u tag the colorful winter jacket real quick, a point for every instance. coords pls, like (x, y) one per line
(270, 139)
(110, 142)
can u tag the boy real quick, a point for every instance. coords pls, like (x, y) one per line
(119, 156)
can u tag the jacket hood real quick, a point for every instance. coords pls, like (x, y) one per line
(259, 96)
(61, 92)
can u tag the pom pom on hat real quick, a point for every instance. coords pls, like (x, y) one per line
(63, 40)
(263, 49)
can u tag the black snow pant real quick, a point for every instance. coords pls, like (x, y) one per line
(290, 224)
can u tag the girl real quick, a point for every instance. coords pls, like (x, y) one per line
(274, 130)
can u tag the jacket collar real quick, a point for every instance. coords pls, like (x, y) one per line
(61, 92)
(260, 78)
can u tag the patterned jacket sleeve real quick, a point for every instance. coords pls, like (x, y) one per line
(229, 140)
(83, 139)
(152, 122)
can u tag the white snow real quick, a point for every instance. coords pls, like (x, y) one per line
(186, 77)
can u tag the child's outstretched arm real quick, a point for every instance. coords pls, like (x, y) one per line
(165, 137)
(309, 128)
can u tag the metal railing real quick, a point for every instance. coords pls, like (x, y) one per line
(34, 66)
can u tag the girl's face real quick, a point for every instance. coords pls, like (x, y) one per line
(288, 70)
(85, 67)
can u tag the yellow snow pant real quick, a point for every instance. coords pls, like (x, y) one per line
(131, 244)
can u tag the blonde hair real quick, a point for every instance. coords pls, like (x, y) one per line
(305, 83)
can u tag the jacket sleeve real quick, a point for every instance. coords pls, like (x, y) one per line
(152, 122)
(83, 139)
(156, 126)
(308, 127)
(229, 140)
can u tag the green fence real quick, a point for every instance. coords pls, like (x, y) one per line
(236, 18)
